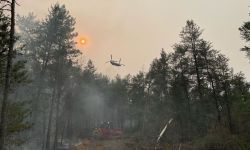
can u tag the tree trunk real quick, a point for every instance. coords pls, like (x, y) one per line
(229, 116)
(146, 109)
(44, 131)
(201, 109)
(7, 78)
(59, 91)
(57, 122)
(197, 71)
(39, 88)
(214, 92)
(189, 106)
(216, 102)
(47, 144)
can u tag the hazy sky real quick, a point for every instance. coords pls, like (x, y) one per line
(136, 30)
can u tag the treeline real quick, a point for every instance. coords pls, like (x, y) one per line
(52, 98)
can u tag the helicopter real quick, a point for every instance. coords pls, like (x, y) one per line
(114, 62)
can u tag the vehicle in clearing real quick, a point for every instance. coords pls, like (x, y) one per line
(107, 131)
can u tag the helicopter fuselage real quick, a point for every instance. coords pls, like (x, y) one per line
(115, 63)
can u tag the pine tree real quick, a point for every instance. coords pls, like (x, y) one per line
(245, 34)
(59, 30)
(6, 89)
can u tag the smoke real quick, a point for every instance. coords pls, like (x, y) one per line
(94, 107)
(94, 104)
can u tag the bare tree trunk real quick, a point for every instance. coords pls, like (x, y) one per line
(214, 92)
(39, 88)
(189, 105)
(44, 130)
(57, 123)
(59, 91)
(201, 109)
(198, 79)
(47, 144)
(146, 109)
(216, 102)
(229, 116)
(63, 132)
(7, 78)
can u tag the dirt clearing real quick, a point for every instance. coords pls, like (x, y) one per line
(117, 144)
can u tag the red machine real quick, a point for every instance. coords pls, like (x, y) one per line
(106, 131)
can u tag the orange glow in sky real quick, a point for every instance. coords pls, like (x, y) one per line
(82, 41)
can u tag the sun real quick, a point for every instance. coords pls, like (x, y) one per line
(82, 41)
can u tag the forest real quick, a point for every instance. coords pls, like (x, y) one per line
(49, 97)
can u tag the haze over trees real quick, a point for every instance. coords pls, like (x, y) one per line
(49, 98)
